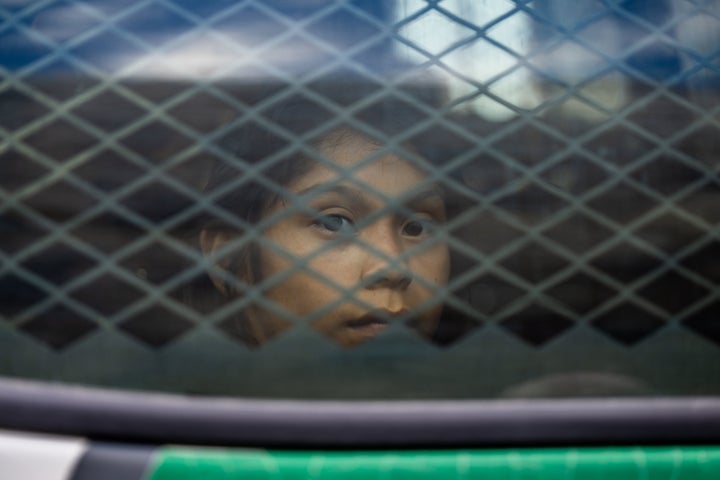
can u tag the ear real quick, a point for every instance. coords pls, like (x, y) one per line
(211, 241)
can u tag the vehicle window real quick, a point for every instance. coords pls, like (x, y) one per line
(362, 199)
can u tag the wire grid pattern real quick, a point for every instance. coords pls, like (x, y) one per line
(605, 222)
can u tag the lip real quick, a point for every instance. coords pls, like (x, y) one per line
(367, 321)
(365, 327)
(360, 329)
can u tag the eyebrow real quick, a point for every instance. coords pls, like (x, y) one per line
(355, 193)
(432, 190)
(330, 187)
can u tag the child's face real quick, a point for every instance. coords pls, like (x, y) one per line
(352, 239)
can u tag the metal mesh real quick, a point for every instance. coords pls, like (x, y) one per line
(578, 142)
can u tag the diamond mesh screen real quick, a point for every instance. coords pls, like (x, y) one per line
(164, 162)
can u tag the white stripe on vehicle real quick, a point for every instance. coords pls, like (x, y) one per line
(29, 456)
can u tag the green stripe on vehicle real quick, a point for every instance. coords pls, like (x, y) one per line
(648, 463)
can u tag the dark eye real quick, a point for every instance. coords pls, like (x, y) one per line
(336, 224)
(417, 228)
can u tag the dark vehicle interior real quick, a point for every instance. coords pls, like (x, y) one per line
(576, 147)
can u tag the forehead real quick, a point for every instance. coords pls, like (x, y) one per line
(361, 161)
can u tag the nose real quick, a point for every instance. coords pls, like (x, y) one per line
(388, 279)
(384, 267)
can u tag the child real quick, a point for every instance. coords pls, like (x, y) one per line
(339, 231)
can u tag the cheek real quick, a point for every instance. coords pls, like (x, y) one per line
(433, 265)
(342, 266)
(313, 285)
(280, 248)
(271, 262)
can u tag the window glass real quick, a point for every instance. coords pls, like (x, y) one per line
(361, 199)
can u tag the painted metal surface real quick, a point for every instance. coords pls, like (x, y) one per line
(656, 463)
